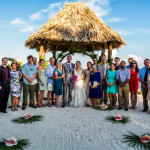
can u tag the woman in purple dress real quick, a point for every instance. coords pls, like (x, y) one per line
(15, 86)
(95, 92)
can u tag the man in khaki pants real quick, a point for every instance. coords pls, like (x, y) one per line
(123, 77)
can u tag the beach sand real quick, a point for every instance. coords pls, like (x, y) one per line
(74, 128)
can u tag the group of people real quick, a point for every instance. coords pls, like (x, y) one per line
(79, 87)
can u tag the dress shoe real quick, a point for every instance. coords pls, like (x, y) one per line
(144, 110)
(18, 106)
(63, 105)
(4, 111)
(23, 108)
(120, 108)
(126, 109)
(10, 106)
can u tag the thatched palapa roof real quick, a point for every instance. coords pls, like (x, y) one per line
(75, 27)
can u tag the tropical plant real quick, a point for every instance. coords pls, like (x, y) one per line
(134, 141)
(22, 144)
(22, 120)
(124, 120)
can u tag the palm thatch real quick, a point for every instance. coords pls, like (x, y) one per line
(75, 27)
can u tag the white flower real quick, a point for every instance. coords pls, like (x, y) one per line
(11, 141)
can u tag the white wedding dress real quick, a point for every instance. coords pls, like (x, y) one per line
(78, 93)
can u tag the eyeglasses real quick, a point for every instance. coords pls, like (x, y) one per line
(133, 63)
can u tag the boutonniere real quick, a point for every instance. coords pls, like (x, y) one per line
(92, 73)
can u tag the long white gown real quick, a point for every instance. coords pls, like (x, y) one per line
(78, 93)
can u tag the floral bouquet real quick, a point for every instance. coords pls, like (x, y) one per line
(74, 80)
(118, 119)
(27, 119)
(13, 144)
(138, 142)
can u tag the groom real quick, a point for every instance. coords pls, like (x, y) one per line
(68, 70)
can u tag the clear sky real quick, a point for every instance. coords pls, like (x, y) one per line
(20, 18)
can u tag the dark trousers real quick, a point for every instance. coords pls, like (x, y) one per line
(28, 90)
(144, 93)
(103, 87)
(4, 95)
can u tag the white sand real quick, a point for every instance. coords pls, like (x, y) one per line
(74, 128)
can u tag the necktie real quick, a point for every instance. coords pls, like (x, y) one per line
(145, 78)
(69, 67)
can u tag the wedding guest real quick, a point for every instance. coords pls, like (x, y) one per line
(112, 87)
(117, 63)
(148, 83)
(58, 82)
(103, 69)
(95, 62)
(21, 79)
(50, 81)
(143, 73)
(87, 86)
(4, 84)
(36, 85)
(42, 82)
(15, 86)
(29, 72)
(134, 84)
(78, 93)
(123, 77)
(68, 71)
(95, 92)
(129, 61)
(21, 82)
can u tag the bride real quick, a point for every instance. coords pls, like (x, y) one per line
(78, 93)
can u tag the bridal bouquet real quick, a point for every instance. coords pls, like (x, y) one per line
(74, 80)
(14, 144)
(136, 141)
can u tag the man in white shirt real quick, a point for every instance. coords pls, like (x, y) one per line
(50, 81)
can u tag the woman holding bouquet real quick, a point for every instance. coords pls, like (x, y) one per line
(15, 86)
(95, 92)
(87, 86)
(78, 93)
(58, 79)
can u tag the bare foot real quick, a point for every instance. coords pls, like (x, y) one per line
(16, 109)
(131, 107)
(113, 107)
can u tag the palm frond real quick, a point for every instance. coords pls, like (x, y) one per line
(134, 141)
(107, 109)
(124, 120)
(21, 120)
(21, 145)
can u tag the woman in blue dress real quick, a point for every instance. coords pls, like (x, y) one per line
(95, 92)
(15, 86)
(112, 87)
(58, 82)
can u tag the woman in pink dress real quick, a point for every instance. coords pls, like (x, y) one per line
(134, 84)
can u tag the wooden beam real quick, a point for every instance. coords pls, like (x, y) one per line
(110, 52)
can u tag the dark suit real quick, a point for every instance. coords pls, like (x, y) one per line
(4, 92)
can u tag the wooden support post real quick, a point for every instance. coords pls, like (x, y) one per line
(110, 52)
